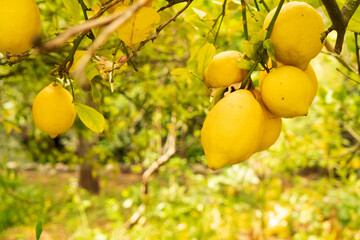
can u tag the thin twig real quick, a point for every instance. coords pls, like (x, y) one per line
(346, 75)
(85, 9)
(85, 27)
(154, 35)
(265, 5)
(339, 19)
(79, 72)
(170, 4)
(357, 52)
(338, 57)
(256, 5)
(244, 23)
(222, 15)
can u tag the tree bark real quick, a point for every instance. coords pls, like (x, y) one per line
(87, 180)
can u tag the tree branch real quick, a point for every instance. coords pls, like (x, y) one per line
(169, 151)
(339, 19)
(154, 36)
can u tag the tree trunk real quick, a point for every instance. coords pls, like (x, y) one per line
(86, 178)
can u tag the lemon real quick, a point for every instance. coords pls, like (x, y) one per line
(263, 73)
(286, 92)
(223, 70)
(53, 110)
(19, 25)
(272, 125)
(309, 72)
(232, 131)
(296, 34)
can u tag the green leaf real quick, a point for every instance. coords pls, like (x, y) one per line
(91, 118)
(251, 50)
(74, 9)
(179, 71)
(219, 94)
(245, 64)
(38, 229)
(96, 94)
(204, 57)
(270, 49)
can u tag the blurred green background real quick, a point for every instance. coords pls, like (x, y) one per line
(306, 186)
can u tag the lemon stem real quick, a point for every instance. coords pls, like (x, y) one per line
(243, 11)
(272, 23)
(261, 50)
(71, 86)
(248, 75)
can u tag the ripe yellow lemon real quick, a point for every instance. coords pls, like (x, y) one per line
(53, 110)
(286, 92)
(232, 130)
(309, 72)
(19, 25)
(272, 125)
(296, 34)
(223, 70)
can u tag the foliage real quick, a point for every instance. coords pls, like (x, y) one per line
(308, 180)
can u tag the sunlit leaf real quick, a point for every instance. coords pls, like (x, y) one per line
(74, 9)
(269, 46)
(179, 71)
(95, 93)
(138, 27)
(219, 94)
(204, 57)
(91, 118)
(245, 64)
(200, 13)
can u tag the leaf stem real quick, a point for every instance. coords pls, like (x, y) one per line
(222, 15)
(256, 5)
(265, 5)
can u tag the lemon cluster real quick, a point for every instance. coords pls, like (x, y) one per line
(239, 124)
(19, 25)
(248, 121)
(289, 89)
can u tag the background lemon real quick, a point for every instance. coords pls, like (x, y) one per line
(296, 33)
(53, 110)
(19, 25)
(286, 92)
(223, 70)
(232, 130)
